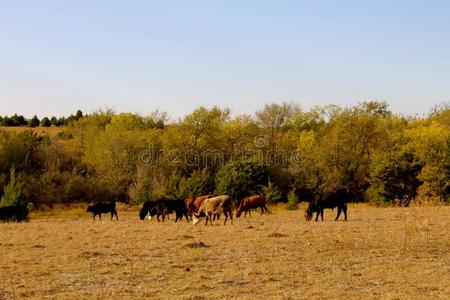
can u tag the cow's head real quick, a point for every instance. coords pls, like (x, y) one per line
(238, 212)
(196, 219)
(142, 214)
(90, 208)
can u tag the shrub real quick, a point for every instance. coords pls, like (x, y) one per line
(394, 178)
(293, 201)
(13, 191)
(272, 193)
(201, 182)
(241, 178)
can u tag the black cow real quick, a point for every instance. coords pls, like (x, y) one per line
(164, 207)
(152, 208)
(17, 213)
(337, 199)
(103, 207)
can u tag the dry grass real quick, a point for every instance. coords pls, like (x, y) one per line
(380, 253)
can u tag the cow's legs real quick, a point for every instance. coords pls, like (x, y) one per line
(226, 217)
(100, 216)
(321, 213)
(338, 213)
(317, 215)
(345, 212)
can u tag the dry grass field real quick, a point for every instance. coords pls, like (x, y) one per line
(394, 253)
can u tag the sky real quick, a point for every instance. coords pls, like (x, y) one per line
(139, 56)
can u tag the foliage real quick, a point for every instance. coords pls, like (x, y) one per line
(293, 201)
(34, 122)
(394, 178)
(272, 192)
(241, 178)
(12, 192)
(379, 156)
(45, 122)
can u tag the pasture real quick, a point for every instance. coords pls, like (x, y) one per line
(379, 253)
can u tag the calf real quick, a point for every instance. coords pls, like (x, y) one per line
(215, 206)
(17, 213)
(337, 199)
(104, 207)
(251, 202)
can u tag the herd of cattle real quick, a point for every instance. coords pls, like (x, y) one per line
(210, 207)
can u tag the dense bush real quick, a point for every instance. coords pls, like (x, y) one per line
(241, 178)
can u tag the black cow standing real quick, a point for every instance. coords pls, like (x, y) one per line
(17, 213)
(337, 199)
(164, 207)
(103, 208)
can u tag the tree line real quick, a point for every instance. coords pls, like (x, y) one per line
(283, 151)
(19, 120)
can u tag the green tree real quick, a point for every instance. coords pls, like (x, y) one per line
(34, 122)
(13, 191)
(293, 201)
(241, 178)
(394, 177)
(45, 122)
(272, 193)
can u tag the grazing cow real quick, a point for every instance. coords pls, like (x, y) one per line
(215, 206)
(17, 213)
(251, 202)
(162, 208)
(337, 199)
(103, 207)
(152, 208)
(193, 203)
(178, 207)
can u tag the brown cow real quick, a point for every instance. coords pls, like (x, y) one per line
(215, 206)
(251, 202)
(193, 203)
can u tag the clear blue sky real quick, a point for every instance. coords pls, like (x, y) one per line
(58, 56)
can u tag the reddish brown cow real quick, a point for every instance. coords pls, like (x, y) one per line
(193, 203)
(251, 202)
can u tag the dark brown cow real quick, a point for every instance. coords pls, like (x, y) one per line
(251, 202)
(193, 203)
